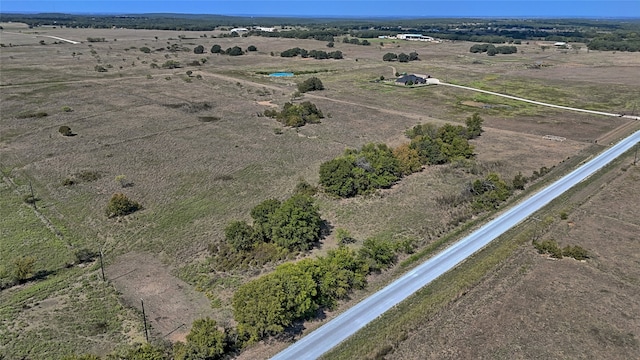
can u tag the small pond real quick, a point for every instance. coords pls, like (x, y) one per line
(281, 74)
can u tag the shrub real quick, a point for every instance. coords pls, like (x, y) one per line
(548, 247)
(65, 130)
(252, 48)
(311, 84)
(121, 205)
(23, 268)
(171, 64)
(344, 236)
(67, 109)
(216, 49)
(296, 115)
(575, 252)
(99, 68)
(88, 175)
(379, 253)
(564, 215)
(145, 50)
(198, 49)
(85, 255)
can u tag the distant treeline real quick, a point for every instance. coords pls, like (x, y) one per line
(600, 34)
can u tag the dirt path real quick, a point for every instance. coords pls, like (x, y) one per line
(541, 103)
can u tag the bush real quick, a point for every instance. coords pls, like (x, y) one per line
(171, 64)
(99, 68)
(344, 236)
(198, 49)
(65, 130)
(548, 247)
(252, 48)
(311, 84)
(121, 205)
(85, 255)
(23, 268)
(379, 253)
(216, 49)
(296, 115)
(67, 109)
(575, 252)
(145, 50)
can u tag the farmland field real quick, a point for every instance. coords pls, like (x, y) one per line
(197, 153)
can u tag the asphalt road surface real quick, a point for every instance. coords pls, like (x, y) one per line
(337, 330)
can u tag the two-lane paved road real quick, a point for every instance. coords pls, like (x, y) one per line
(337, 330)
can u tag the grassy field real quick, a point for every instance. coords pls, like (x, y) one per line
(197, 156)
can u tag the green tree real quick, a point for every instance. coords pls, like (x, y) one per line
(296, 225)
(216, 49)
(269, 304)
(311, 84)
(252, 48)
(198, 49)
(261, 215)
(390, 57)
(402, 57)
(234, 51)
(204, 341)
(474, 126)
(335, 177)
(240, 235)
(413, 56)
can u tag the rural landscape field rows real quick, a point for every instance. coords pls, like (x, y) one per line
(199, 141)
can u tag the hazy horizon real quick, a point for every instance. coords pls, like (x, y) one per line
(339, 9)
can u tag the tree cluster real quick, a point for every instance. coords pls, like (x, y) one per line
(492, 50)
(355, 41)
(232, 51)
(315, 54)
(376, 166)
(552, 248)
(296, 115)
(616, 42)
(322, 35)
(294, 224)
(402, 57)
(295, 291)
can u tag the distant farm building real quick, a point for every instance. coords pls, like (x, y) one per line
(239, 30)
(413, 37)
(265, 29)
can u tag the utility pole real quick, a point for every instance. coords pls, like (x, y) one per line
(144, 318)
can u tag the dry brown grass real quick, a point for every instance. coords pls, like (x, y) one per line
(538, 307)
(194, 176)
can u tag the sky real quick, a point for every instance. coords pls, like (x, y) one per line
(348, 8)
